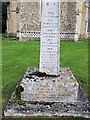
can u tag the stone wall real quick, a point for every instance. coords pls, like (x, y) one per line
(68, 17)
(26, 21)
(89, 22)
(30, 21)
(89, 19)
(82, 20)
(68, 20)
(11, 19)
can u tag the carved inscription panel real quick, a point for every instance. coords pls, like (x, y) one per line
(50, 38)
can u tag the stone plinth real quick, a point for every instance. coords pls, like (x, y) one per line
(41, 87)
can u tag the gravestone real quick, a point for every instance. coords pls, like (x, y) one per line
(49, 83)
(49, 90)
(50, 38)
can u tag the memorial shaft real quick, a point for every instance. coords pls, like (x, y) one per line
(50, 38)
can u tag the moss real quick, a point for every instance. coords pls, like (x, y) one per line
(72, 80)
(17, 99)
(19, 89)
(20, 102)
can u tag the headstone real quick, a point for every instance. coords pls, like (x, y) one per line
(50, 38)
(48, 95)
(57, 84)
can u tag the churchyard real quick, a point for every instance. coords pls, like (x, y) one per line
(46, 76)
(18, 56)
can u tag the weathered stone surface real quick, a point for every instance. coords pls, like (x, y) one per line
(29, 20)
(80, 108)
(68, 17)
(42, 87)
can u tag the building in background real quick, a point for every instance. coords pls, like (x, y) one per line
(24, 20)
(11, 19)
(88, 31)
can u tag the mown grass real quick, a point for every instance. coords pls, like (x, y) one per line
(18, 56)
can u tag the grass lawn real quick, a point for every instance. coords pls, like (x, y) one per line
(18, 56)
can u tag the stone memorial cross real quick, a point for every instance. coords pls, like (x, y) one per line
(50, 38)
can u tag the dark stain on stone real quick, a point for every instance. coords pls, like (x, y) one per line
(40, 74)
(19, 89)
(53, 80)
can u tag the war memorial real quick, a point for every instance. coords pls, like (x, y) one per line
(48, 90)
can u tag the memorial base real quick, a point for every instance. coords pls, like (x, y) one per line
(38, 86)
(39, 94)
